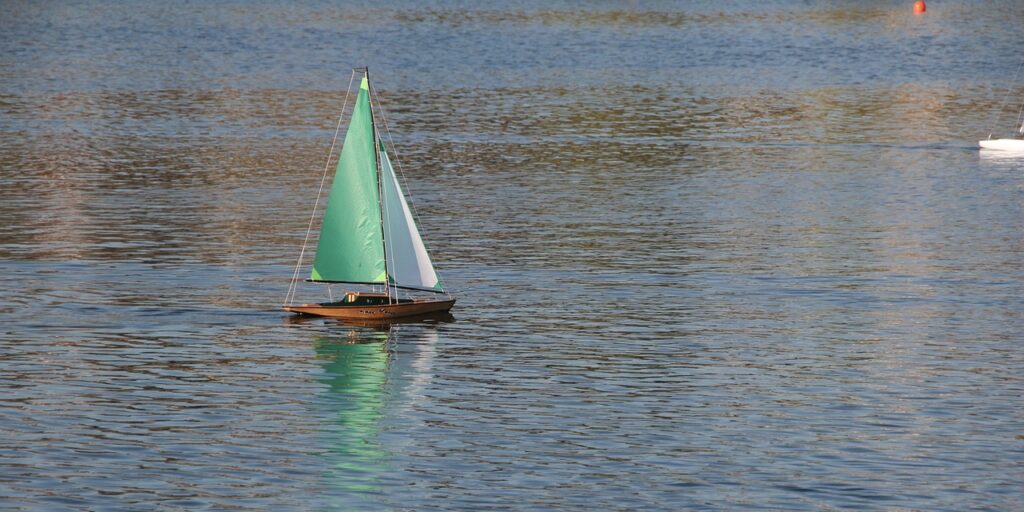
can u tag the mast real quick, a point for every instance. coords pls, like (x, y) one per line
(380, 189)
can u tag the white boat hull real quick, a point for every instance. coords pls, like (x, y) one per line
(1003, 144)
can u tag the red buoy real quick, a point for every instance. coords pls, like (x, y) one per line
(919, 7)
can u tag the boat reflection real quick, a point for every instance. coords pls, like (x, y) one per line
(1001, 155)
(371, 379)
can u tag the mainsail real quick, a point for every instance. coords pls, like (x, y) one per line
(408, 263)
(350, 248)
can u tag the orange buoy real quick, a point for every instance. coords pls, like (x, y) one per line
(919, 7)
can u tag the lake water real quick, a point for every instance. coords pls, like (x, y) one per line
(716, 255)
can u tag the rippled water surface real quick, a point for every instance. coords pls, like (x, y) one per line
(717, 255)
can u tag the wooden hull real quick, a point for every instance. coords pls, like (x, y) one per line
(374, 312)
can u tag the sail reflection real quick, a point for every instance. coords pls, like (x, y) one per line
(355, 371)
(371, 379)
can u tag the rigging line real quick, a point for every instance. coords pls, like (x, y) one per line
(1009, 89)
(1020, 112)
(405, 181)
(327, 166)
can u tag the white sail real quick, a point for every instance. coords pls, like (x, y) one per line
(407, 258)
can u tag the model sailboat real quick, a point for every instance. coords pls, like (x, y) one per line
(368, 237)
(1016, 145)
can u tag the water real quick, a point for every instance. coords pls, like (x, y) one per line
(724, 255)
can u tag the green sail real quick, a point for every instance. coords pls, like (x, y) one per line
(351, 247)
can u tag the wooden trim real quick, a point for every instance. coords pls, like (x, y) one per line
(328, 281)
(374, 312)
